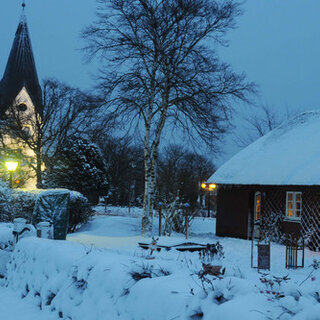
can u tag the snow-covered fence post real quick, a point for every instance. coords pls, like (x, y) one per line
(18, 225)
(21, 229)
(263, 256)
(45, 230)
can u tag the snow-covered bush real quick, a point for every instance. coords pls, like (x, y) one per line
(211, 252)
(6, 246)
(23, 202)
(16, 203)
(271, 287)
(19, 203)
(80, 210)
(6, 236)
(76, 283)
(79, 165)
(174, 215)
(147, 270)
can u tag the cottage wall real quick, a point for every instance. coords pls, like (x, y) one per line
(235, 212)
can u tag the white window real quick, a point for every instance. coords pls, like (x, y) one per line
(293, 205)
(257, 206)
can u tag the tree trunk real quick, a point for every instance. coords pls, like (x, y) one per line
(147, 182)
(38, 169)
(150, 162)
(148, 197)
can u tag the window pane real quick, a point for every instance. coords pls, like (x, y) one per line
(294, 204)
(257, 206)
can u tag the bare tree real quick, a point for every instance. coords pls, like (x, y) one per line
(66, 111)
(179, 173)
(260, 123)
(160, 68)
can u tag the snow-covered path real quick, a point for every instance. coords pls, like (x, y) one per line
(14, 308)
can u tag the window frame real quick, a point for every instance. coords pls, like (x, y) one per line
(294, 209)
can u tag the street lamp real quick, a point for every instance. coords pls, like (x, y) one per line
(208, 187)
(11, 166)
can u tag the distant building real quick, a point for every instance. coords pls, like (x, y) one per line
(20, 94)
(275, 181)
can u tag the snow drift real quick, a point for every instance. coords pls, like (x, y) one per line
(76, 282)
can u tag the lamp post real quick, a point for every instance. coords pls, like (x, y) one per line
(208, 187)
(11, 167)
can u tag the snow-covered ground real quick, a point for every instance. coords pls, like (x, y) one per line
(101, 273)
(117, 228)
(121, 232)
(12, 307)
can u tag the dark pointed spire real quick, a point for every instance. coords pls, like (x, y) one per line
(21, 69)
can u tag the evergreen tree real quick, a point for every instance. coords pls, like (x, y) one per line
(79, 165)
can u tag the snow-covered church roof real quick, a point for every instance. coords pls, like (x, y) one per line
(288, 155)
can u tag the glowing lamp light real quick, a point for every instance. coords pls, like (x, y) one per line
(208, 188)
(11, 165)
(212, 186)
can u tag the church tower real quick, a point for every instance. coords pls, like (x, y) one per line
(21, 101)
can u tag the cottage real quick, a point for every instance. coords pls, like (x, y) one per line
(274, 181)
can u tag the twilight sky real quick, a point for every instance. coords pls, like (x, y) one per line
(277, 44)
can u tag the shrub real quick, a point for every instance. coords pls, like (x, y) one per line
(23, 203)
(211, 252)
(80, 210)
(79, 165)
(174, 217)
(18, 203)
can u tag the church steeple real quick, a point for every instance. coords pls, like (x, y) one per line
(21, 69)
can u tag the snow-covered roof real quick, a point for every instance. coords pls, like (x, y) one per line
(288, 155)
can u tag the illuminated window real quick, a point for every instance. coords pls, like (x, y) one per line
(293, 205)
(257, 206)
